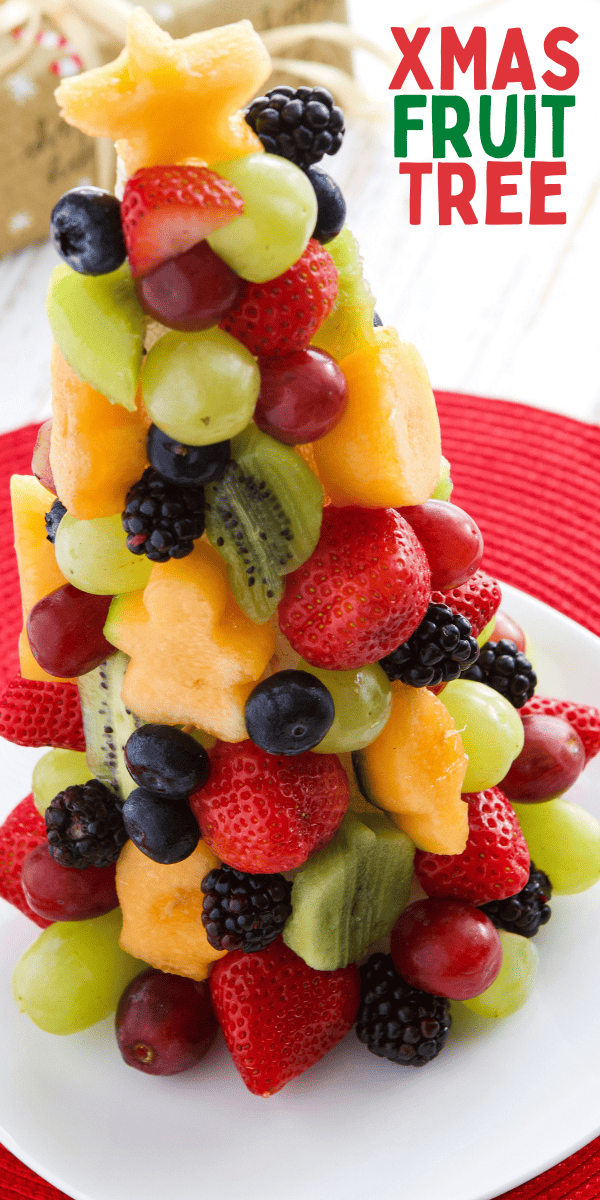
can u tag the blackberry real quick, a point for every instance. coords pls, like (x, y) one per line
(162, 519)
(85, 826)
(525, 912)
(53, 519)
(300, 125)
(244, 912)
(503, 667)
(397, 1021)
(441, 649)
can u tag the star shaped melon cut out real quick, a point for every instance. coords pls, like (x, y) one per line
(164, 100)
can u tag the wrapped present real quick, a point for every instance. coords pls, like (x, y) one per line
(41, 157)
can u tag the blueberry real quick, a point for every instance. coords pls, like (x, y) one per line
(85, 228)
(331, 211)
(164, 830)
(166, 761)
(53, 519)
(289, 713)
(189, 465)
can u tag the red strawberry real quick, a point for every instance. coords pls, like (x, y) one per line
(167, 210)
(280, 1016)
(477, 599)
(265, 812)
(21, 832)
(36, 713)
(583, 718)
(363, 591)
(495, 862)
(282, 315)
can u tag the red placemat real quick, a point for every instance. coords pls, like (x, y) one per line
(527, 477)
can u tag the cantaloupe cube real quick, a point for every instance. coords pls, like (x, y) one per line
(38, 570)
(97, 449)
(385, 452)
(415, 769)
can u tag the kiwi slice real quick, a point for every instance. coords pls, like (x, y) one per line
(107, 723)
(264, 517)
(350, 893)
(350, 325)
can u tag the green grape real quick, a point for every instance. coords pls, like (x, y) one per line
(515, 981)
(444, 485)
(200, 388)
(491, 731)
(93, 556)
(350, 325)
(74, 973)
(363, 703)
(55, 771)
(486, 632)
(280, 213)
(99, 327)
(564, 841)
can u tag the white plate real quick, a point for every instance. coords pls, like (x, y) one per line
(504, 1101)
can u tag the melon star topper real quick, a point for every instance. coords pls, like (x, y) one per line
(164, 101)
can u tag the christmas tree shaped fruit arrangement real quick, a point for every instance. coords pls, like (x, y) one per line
(258, 642)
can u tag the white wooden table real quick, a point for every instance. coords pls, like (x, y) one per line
(501, 311)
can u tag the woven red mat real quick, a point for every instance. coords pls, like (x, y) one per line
(530, 480)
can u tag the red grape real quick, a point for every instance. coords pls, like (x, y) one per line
(551, 760)
(302, 396)
(506, 628)
(446, 947)
(64, 894)
(451, 540)
(40, 462)
(165, 1023)
(65, 631)
(190, 292)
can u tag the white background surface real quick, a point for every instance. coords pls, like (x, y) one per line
(504, 1100)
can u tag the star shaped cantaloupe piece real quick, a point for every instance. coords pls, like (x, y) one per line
(164, 100)
(195, 656)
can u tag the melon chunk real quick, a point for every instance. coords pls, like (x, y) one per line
(39, 573)
(162, 911)
(415, 770)
(164, 101)
(97, 449)
(385, 452)
(195, 657)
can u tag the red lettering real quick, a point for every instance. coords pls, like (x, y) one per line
(560, 83)
(416, 172)
(514, 47)
(540, 189)
(447, 200)
(496, 189)
(453, 51)
(410, 58)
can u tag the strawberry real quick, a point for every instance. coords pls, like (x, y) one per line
(477, 599)
(282, 315)
(21, 832)
(38, 713)
(363, 591)
(264, 813)
(583, 718)
(494, 863)
(167, 210)
(280, 1016)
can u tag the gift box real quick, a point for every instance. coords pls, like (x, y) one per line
(40, 156)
